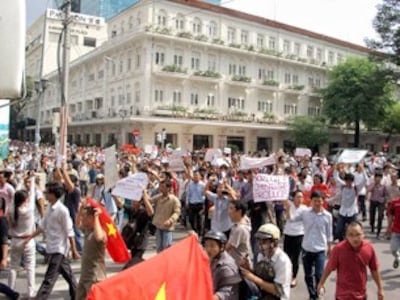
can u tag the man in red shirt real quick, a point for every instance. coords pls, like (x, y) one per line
(350, 258)
(393, 213)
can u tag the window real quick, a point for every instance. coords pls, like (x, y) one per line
(261, 74)
(286, 46)
(310, 51)
(319, 54)
(311, 81)
(236, 103)
(113, 68)
(100, 74)
(260, 41)
(89, 42)
(242, 70)
(121, 66)
(158, 95)
(74, 40)
(212, 63)
(178, 60)
(297, 49)
(314, 110)
(177, 97)
(318, 82)
(137, 93)
(79, 107)
(339, 58)
(290, 109)
(272, 43)
(331, 57)
(232, 69)
(130, 22)
(160, 58)
(195, 65)
(91, 77)
(138, 59)
(129, 62)
(196, 26)
(212, 29)
(139, 19)
(194, 99)
(72, 108)
(295, 79)
(113, 34)
(210, 100)
(287, 78)
(179, 23)
(162, 18)
(98, 103)
(231, 35)
(120, 97)
(270, 75)
(128, 95)
(122, 27)
(264, 106)
(244, 37)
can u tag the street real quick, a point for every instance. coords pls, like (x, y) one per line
(391, 277)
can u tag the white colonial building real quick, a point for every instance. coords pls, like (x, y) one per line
(211, 76)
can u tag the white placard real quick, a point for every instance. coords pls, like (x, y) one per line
(176, 164)
(247, 163)
(131, 187)
(148, 149)
(213, 154)
(218, 162)
(301, 152)
(350, 156)
(228, 151)
(110, 168)
(178, 153)
(270, 188)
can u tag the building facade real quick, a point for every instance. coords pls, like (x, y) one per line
(210, 76)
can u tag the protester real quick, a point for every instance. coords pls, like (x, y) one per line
(224, 270)
(60, 236)
(273, 271)
(393, 213)
(379, 194)
(350, 259)
(195, 202)
(93, 268)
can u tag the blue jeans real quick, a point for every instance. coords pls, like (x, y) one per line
(163, 239)
(395, 245)
(341, 225)
(313, 263)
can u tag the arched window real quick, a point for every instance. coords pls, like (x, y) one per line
(180, 22)
(162, 18)
(213, 29)
(197, 26)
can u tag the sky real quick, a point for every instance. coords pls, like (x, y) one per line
(349, 20)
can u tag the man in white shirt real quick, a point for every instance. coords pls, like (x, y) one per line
(57, 224)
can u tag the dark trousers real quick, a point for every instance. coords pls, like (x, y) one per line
(292, 247)
(195, 218)
(6, 290)
(373, 206)
(83, 184)
(58, 264)
(342, 224)
(361, 206)
(313, 263)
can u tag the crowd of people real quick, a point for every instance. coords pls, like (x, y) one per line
(322, 217)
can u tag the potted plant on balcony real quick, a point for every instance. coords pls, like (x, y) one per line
(241, 78)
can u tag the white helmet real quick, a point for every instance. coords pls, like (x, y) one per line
(268, 231)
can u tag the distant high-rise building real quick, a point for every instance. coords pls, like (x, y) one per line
(110, 8)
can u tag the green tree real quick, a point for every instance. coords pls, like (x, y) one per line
(358, 91)
(391, 122)
(309, 132)
(387, 25)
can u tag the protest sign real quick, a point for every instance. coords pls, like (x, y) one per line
(350, 156)
(176, 164)
(270, 188)
(212, 154)
(148, 149)
(131, 187)
(301, 152)
(247, 163)
(110, 168)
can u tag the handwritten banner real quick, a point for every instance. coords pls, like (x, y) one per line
(212, 154)
(131, 187)
(350, 156)
(176, 164)
(247, 163)
(270, 188)
(301, 152)
(110, 168)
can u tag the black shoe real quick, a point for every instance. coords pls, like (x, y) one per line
(396, 263)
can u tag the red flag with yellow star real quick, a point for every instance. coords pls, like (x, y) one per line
(180, 272)
(116, 246)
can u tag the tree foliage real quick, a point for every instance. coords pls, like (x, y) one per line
(308, 132)
(391, 122)
(387, 25)
(358, 92)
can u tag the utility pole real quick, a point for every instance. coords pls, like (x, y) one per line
(65, 79)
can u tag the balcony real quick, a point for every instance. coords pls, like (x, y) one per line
(271, 83)
(241, 78)
(208, 74)
(174, 69)
(175, 111)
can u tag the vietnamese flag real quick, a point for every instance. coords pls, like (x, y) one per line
(180, 272)
(116, 246)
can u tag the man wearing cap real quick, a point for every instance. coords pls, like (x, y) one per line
(273, 271)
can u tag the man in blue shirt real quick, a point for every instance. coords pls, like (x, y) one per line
(195, 202)
(317, 240)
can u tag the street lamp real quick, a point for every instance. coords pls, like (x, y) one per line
(40, 87)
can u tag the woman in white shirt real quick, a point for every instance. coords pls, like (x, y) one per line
(22, 225)
(293, 234)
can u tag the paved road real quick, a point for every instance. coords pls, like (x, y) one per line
(390, 276)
